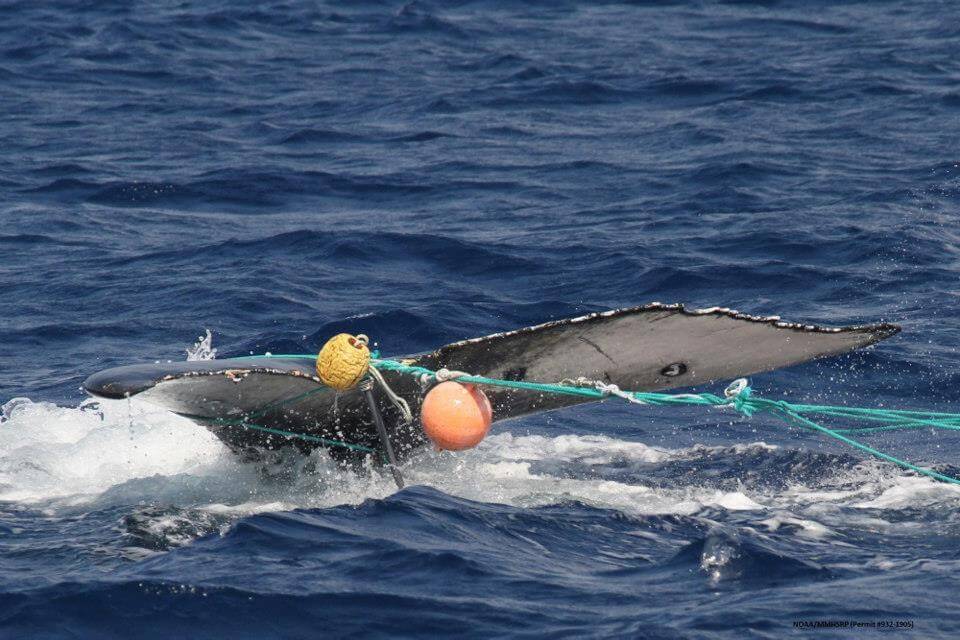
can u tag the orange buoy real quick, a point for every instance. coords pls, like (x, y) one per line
(456, 416)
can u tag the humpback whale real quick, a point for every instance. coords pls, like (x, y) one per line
(261, 403)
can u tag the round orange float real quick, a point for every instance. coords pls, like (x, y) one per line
(456, 416)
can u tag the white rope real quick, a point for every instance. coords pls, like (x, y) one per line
(397, 401)
(602, 387)
(441, 375)
(445, 374)
(614, 390)
(733, 391)
(736, 387)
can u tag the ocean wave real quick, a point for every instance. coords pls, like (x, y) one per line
(425, 172)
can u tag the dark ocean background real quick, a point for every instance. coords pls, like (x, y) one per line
(427, 171)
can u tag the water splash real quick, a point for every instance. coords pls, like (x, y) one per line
(73, 455)
(202, 349)
(115, 452)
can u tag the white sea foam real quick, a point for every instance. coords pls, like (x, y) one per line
(120, 452)
(49, 452)
(911, 492)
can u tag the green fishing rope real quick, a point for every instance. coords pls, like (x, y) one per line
(276, 404)
(746, 403)
(742, 400)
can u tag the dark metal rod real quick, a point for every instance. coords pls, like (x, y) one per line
(382, 430)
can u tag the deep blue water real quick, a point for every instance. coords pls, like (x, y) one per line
(425, 172)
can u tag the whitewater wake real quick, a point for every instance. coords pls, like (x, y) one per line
(128, 452)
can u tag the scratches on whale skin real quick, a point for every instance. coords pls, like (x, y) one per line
(663, 316)
(597, 347)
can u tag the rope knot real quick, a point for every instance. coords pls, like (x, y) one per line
(428, 377)
(443, 375)
(737, 394)
(581, 382)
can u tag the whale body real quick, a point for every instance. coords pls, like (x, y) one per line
(262, 403)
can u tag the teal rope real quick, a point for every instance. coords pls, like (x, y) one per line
(246, 424)
(297, 436)
(280, 432)
(746, 403)
(792, 415)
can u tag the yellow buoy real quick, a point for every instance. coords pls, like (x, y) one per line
(343, 361)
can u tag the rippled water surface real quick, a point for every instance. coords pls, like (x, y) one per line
(424, 172)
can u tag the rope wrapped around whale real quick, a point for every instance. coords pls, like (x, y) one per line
(738, 396)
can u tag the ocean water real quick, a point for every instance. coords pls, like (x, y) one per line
(429, 171)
